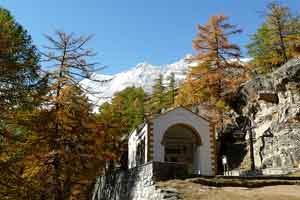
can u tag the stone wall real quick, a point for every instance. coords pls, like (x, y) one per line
(138, 183)
(263, 172)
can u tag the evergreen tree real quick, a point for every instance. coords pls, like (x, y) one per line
(127, 107)
(171, 90)
(121, 116)
(18, 66)
(20, 87)
(158, 97)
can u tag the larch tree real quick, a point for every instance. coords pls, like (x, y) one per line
(218, 71)
(186, 95)
(79, 154)
(69, 58)
(277, 40)
(69, 137)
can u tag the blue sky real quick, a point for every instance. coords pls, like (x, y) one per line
(127, 32)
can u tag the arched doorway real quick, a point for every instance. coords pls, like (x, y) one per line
(181, 144)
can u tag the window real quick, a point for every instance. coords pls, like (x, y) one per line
(140, 153)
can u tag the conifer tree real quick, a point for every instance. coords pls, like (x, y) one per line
(127, 106)
(68, 135)
(277, 40)
(20, 86)
(18, 65)
(122, 115)
(158, 98)
(186, 95)
(171, 90)
(218, 72)
(79, 153)
(214, 77)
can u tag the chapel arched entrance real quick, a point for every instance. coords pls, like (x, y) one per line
(181, 144)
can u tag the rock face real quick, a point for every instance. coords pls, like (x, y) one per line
(274, 101)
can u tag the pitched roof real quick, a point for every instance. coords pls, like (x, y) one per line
(183, 107)
(141, 126)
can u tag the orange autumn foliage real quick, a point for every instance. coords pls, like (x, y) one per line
(218, 71)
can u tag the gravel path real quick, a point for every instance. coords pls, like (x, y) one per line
(192, 191)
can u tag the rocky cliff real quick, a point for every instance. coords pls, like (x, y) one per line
(273, 103)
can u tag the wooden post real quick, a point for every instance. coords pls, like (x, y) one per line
(251, 146)
(251, 151)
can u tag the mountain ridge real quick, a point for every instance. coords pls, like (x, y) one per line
(103, 87)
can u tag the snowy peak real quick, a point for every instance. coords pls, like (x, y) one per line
(142, 75)
(143, 65)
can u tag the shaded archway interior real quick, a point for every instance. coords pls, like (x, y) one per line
(180, 142)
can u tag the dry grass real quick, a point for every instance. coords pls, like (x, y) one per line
(194, 191)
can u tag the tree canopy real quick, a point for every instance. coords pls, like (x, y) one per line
(276, 40)
(218, 70)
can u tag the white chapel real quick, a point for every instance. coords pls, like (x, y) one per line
(176, 136)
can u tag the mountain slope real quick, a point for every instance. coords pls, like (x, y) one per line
(103, 87)
(142, 75)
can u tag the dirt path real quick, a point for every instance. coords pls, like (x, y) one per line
(192, 191)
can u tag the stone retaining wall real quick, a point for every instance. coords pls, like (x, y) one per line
(263, 172)
(138, 183)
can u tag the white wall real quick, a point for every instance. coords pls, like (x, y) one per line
(183, 116)
(133, 140)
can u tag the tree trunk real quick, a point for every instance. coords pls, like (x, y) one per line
(58, 195)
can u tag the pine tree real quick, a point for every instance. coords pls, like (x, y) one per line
(122, 115)
(125, 111)
(158, 98)
(171, 90)
(20, 87)
(18, 66)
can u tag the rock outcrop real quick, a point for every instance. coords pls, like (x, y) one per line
(273, 103)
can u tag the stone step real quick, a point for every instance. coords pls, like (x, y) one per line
(170, 194)
(172, 198)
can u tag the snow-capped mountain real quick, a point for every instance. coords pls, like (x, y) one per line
(103, 87)
(142, 75)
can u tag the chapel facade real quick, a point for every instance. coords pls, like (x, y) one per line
(176, 136)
